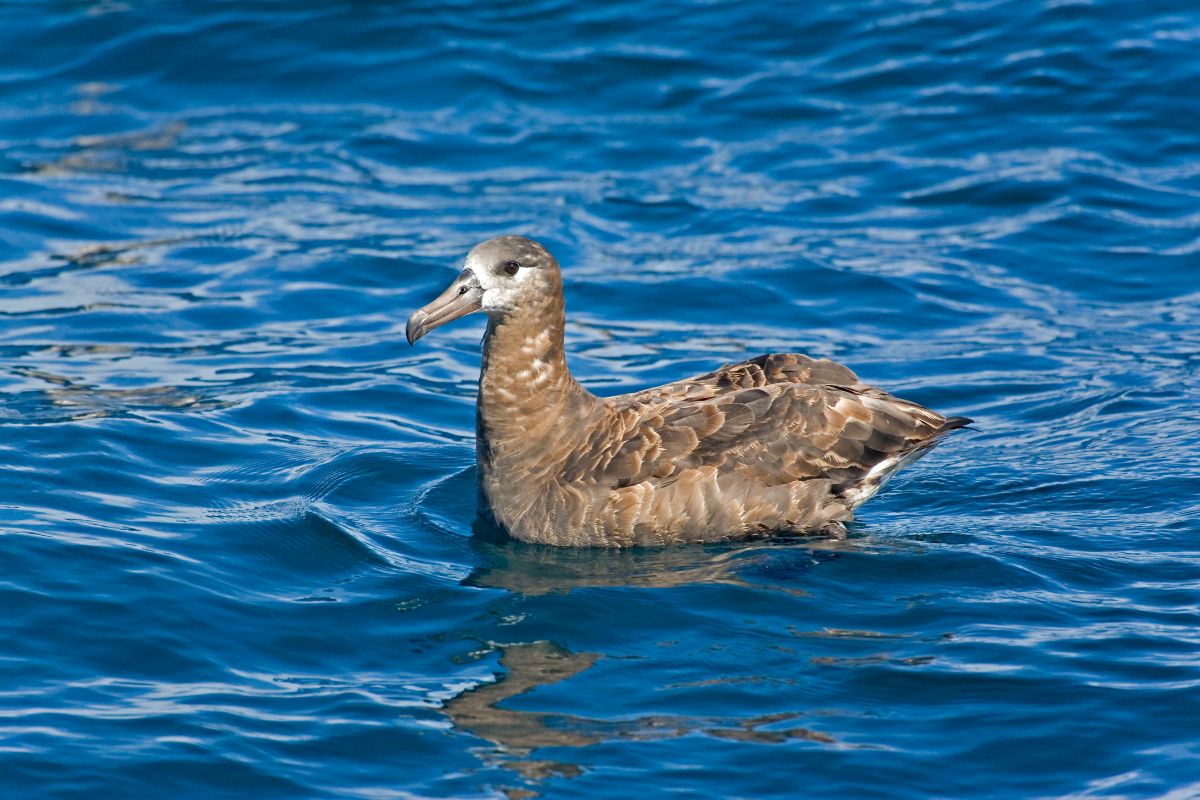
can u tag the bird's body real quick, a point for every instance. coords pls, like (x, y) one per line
(779, 443)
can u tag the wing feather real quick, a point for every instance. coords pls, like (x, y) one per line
(775, 419)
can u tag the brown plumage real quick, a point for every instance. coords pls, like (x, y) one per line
(779, 443)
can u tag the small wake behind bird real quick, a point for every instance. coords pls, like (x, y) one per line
(781, 443)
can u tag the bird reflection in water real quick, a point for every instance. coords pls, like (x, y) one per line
(526, 569)
(516, 734)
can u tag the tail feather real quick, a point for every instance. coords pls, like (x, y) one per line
(862, 490)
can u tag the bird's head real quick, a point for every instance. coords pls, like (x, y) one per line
(499, 276)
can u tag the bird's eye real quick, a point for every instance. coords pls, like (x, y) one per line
(463, 289)
(511, 267)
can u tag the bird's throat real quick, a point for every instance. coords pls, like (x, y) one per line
(526, 391)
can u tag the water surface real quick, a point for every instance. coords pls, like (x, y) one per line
(237, 521)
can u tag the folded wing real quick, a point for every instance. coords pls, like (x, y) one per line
(772, 420)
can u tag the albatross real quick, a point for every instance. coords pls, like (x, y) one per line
(781, 443)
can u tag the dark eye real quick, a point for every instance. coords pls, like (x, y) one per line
(511, 267)
(463, 289)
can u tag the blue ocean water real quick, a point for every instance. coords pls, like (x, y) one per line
(237, 516)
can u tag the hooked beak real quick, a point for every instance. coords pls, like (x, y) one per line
(461, 298)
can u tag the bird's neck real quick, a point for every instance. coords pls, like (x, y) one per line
(528, 399)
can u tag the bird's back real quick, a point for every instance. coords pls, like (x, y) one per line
(781, 442)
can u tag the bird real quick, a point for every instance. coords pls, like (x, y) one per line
(775, 445)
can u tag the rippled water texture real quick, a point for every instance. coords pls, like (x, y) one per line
(240, 556)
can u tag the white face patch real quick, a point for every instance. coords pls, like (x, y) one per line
(501, 292)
